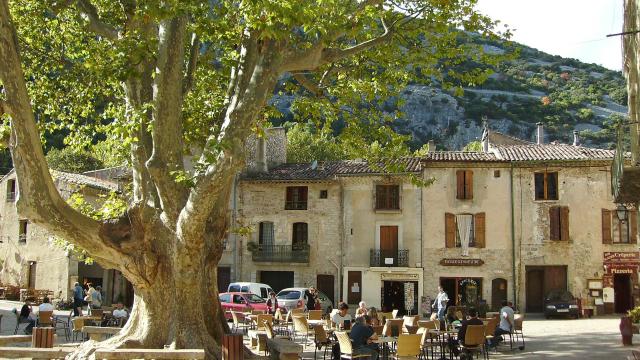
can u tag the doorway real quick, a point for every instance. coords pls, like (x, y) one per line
(462, 291)
(400, 295)
(278, 280)
(224, 278)
(325, 283)
(622, 293)
(32, 275)
(389, 245)
(540, 280)
(498, 293)
(535, 290)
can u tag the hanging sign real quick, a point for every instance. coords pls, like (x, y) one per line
(461, 262)
(621, 257)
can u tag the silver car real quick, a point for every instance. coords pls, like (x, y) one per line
(293, 298)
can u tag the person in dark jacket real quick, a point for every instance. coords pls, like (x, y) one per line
(78, 298)
(25, 317)
(473, 320)
(272, 303)
(310, 295)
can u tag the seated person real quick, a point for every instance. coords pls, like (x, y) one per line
(451, 317)
(119, 311)
(46, 305)
(362, 309)
(362, 337)
(342, 315)
(473, 320)
(506, 323)
(373, 315)
(26, 316)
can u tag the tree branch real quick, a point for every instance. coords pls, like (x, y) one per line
(167, 118)
(194, 51)
(89, 13)
(331, 55)
(313, 88)
(38, 198)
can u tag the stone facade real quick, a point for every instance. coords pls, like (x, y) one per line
(29, 259)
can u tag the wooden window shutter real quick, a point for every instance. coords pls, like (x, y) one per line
(460, 184)
(606, 226)
(554, 223)
(468, 184)
(564, 223)
(633, 226)
(479, 230)
(450, 230)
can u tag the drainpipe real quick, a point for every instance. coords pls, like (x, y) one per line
(344, 234)
(234, 216)
(513, 239)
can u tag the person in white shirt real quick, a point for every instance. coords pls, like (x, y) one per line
(506, 323)
(440, 304)
(119, 311)
(342, 315)
(46, 305)
(362, 309)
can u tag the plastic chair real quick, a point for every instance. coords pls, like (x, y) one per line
(45, 318)
(409, 346)
(390, 325)
(237, 323)
(517, 330)
(346, 349)
(260, 319)
(315, 315)
(301, 327)
(475, 340)
(321, 340)
(77, 325)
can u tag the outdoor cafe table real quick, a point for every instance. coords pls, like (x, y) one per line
(385, 342)
(443, 337)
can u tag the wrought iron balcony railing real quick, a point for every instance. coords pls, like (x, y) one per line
(296, 253)
(389, 258)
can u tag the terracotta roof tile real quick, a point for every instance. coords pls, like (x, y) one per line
(80, 179)
(551, 152)
(459, 156)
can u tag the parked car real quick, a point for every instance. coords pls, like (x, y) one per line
(560, 302)
(241, 301)
(259, 289)
(293, 298)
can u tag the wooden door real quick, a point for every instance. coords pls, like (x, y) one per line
(224, 278)
(555, 278)
(389, 245)
(325, 283)
(535, 290)
(32, 275)
(622, 293)
(354, 287)
(498, 293)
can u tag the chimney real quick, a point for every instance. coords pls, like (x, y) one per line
(485, 136)
(432, 146)
(576, 140)
(261, 155)
(540, 134)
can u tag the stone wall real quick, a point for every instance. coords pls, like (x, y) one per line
(276, 145)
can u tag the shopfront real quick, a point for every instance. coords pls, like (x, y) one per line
(620, 282)
(462, 291)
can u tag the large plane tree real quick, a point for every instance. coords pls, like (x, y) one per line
(159, 80)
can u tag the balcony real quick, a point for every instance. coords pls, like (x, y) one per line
(389, 258)
(281, 253)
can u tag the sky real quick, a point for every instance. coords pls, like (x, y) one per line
(569, 28)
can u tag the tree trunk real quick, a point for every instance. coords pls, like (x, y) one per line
(171, 306)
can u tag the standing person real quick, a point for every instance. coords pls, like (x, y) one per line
(96, 298)
(440, 304)
(310, 295)
(506, 323)
(272, 303)
(361, 310)
(77, 298)
(363, 337)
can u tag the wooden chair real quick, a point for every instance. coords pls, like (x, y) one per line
(475, 340)
(321, 341)
(301, 327)
(390, 324)
(346, 349)
(315, 315)
(409, 346)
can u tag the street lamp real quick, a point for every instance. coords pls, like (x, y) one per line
(622, 212)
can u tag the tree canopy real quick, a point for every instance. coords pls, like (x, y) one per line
(162, 79)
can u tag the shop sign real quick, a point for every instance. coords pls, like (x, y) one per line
(622, 257)
(623, 270)
(461, 262)
(399, 276)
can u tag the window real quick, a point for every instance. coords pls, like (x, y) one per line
(546, 185)
(465, 228)
(617, 231)
(265, 233)
(238, 299)
(11, 190)
(464, 188)
(296, 198)
(263, 293)
(387, 197)
(324, 194)
(300, 235)
(225, 298)
(22, 235)
(559, 223)
(496, 173)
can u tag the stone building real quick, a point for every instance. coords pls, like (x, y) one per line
(30, 259)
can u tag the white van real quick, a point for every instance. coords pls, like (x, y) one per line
(259, 289)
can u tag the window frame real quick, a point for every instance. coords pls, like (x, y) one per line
(296, 198)
(261, 233)
(11, 190)
(545, 186)
(383, 200)
(472, 240)
(464, 184)
(299, 243)
(23, 230)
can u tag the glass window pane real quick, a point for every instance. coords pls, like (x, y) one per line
(539, 180)
(552, 186)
